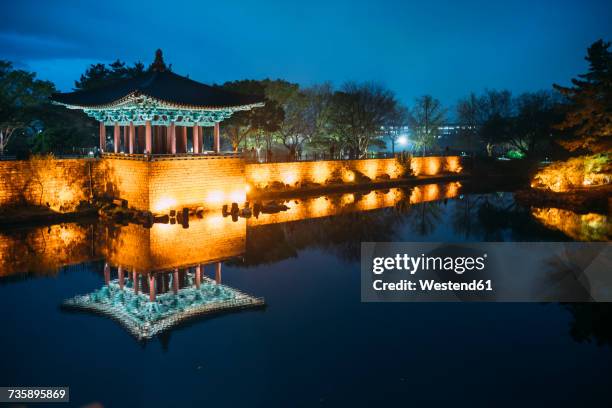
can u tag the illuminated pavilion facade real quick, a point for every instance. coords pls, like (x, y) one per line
(158, 112)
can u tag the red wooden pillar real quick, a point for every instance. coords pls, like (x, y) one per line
(126, 138)
(196, 139)
(132, 137)
(175, 283)
(102, 137)
(184, 137)
(120, 276)
(172, 137)
(198, 276)
(217, 138)
(151, 287)
(148, 138)
(218, 272)
(135, 279)
(107, 272)
(117, 137)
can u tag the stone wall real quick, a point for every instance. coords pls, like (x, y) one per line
(293, 173)
(166, 184)
(57, 184)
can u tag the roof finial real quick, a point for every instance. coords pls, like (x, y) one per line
(158, 65)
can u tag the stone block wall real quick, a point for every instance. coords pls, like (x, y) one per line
(57, 184)
(261, 175)
(207, 182)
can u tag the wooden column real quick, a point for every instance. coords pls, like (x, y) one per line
(126, 138)
(135, 279)
(172, 137)
(198, 276)
(132, 138)
(102, 137)
(120, 276)
(196, 139)
(107, 272)
(151, 287)
(148, 138)
(175, 282)
(117, 137)
(184, 137)
(218, 273)
(217, 139)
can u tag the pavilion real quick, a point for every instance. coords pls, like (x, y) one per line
(157, 112)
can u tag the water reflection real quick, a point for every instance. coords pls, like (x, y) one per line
(581, 227)
(154, 278)
(147, 305)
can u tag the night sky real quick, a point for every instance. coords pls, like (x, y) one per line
(444, 48)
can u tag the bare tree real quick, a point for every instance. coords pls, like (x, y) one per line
(426, 117)
(360, 111)
(398, 119)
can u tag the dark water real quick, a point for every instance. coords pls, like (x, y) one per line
(315, 343)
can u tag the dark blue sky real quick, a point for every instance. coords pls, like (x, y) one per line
(445, 48)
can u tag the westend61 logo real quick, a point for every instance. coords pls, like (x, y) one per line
(486, 271)
(413, 264)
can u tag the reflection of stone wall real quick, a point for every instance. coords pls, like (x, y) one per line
(43, 251)
(167, 246)
(260, 175)
(325, 206)
(58, 184)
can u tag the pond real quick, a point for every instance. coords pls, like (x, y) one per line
(176, 318)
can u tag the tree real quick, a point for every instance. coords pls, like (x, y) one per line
(359, 112)
(589, 116)
(426, 117)
(470, 115)
(532, 127)
(305, 114)
(21, 94)
(398, 119)
(254, 123)
(99, 75)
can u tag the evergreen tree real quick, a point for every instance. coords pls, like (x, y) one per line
(589, 115)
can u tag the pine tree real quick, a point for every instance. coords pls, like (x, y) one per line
(589, 115)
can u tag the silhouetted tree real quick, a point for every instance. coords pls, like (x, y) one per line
(21, 96)
(99, 75)
(359, 112)
(589, 116)
(254, 123)
(426, 116)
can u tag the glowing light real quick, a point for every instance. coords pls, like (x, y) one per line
(247, 188)
(260, 175)
(431, 192)
(347, 199)
(402, 141)
(320, 172)
(348, 176)
(215, 197)
(164, 204)
(370, 168)
(289, 178)
(453, 164)
(319, 206)
(238, 196)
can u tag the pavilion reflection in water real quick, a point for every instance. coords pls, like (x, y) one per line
(147, 305)
(155, 278)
